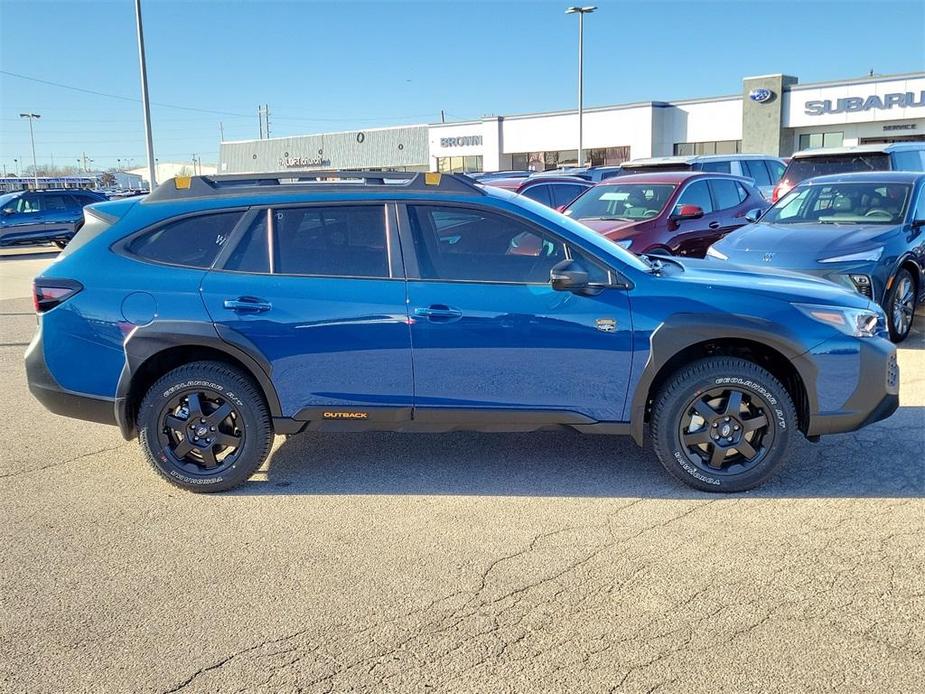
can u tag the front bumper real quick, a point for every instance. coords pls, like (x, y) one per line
(838, 404)
(57, 399)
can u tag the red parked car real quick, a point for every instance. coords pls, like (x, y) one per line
(674, 212)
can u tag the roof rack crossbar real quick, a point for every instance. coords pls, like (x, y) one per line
(203, 186)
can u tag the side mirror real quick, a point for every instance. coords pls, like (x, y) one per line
(687, 212)
(753, 216)
(561, 208)
(6, 211)
(568, 277)
(918, 223)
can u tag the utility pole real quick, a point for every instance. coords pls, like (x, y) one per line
(260, 120)
(221, 132)
(146, 107)
(35, 166)
(581, 12)
(442, 116)
(266, 114)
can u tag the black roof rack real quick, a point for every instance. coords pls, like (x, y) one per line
(185, 187)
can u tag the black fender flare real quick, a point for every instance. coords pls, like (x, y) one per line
(149, 340)
(918, 276)
(683, 330)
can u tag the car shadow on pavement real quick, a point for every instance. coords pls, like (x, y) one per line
(883, 460)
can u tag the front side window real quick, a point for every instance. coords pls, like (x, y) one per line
(564, 193)
(842, 203)
(539, 193)
(192, 241)
(20, 204)
(335, 241)
(629, 201)
(463, 244)
(755, 168)
(697, 193)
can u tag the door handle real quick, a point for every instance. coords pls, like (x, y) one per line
(439, 313)
(714, 225)
(247, 304)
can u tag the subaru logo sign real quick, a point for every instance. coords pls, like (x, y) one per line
(760, 95)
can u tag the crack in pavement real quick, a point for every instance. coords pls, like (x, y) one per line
(30, 471)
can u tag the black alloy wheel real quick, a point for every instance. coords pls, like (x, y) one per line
(201, 431)
(726, 430)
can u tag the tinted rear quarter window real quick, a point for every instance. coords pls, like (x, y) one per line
(192, 241)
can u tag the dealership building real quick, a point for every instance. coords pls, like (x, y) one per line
(774, 114)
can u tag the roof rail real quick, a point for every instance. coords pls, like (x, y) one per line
(185, 187)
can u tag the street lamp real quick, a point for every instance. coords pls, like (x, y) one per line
(581, 12)
(145, 105)
(35, 166)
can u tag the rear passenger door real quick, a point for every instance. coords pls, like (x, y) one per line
(319, 292)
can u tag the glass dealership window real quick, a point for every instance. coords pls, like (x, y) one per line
(689, 149)
(557, 159)
(817, 140)
(459, 164)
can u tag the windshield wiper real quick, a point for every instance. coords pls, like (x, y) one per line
(610, 219)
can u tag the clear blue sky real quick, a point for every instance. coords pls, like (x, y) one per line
(326, 66)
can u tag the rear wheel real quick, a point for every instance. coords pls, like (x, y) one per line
(722, 424)
(900, 305)
(204, 427)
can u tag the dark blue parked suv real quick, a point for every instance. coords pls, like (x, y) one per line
(30, 217)
(218, 311)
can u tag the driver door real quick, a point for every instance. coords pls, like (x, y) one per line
(23, 217)
(488, 332)
(692, 237)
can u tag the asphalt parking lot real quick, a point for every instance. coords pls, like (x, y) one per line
(463, 562)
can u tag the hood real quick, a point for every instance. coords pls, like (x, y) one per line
(613, 228)
(801, 243)
(781, 284)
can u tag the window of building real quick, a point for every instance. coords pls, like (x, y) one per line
(192, 241)
(459, 164)
(689, 149)
(336, 241)
(817, 140)
(454, 243)
(557, 159)
(697, 193)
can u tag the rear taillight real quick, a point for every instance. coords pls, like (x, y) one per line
(780, 190)
(48, 293)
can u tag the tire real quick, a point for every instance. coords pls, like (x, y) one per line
(205, 427)
(900, 305)
(696, 401)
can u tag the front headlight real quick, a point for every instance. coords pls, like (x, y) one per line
(857, 322)
(872, 255)
(625, 243)
(713, 253)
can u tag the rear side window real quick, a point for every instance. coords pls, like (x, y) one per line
(755, 168)
(776, 168)
(564, 193)
(540, 194)
(717, 166)
(336, 241)
(192, 241)
(58, 203)
(726, 193)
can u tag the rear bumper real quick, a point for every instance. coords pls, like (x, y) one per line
(58, 400)
(875, 396)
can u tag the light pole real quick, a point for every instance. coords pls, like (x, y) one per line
(581, 12)
(146, 107)
(35, 166)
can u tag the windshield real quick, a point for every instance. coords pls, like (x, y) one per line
(842, 203)
(591, 238)
(625, 201)
(801, 168)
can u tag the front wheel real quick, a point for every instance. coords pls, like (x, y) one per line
(204, 427)
(722, 424)
(900, 305)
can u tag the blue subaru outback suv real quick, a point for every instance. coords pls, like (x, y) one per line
(219, 311)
